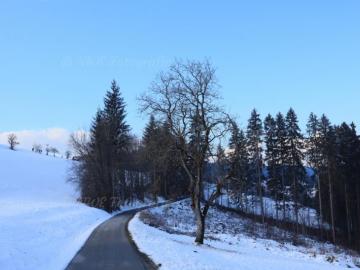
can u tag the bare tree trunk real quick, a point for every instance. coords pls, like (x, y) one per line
(260, 192)
(320, 207)
(199, 214)
(165, 186)
(200, 229)
(358, 211)
(348, 217)
(200, 217)
(227, 194)
(283, 190)
(331, 208)
(277, 207)
(296, 208)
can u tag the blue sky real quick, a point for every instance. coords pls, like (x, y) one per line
(57, 58)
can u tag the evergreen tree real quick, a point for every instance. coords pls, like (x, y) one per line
(254, 137)
(221, 168)
(92, 174)
(295, 157)
(150, 130)
(281, 161)
(345, 182)
(197, 136)
(175, 181)
(327, 142)
(220, 161)
(239, 158)
(115, 114)
(355, 185)
(345, 175)
(312, 142)
(313, 155)
(356, 188)
(102, 166)
(118, 141)
(152, 154)
(165, 175)
(196, 146)
(273, 177)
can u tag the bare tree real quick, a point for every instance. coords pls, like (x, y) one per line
(54, 151)
(47, 149)
(79, 144)
(186, 99)
(67, 154)
(37, 148)
(13, 141)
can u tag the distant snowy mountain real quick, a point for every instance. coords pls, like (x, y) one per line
(42, 225)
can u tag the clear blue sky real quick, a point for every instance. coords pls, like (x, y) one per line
(57, 58)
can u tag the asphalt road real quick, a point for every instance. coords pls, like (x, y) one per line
(109, 247)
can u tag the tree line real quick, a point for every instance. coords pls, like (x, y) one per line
(181, 145)
(37, 148)
(114, 167)
(319, 169)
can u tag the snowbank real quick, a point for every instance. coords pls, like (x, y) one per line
(42, 226)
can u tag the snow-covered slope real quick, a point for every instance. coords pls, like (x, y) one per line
(166, 234)
(42, 225)
(251, 204)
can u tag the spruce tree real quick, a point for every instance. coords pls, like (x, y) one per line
(327, 142)
(355, 187)
(152, 155)
(281, 161)
(115, 114)
(221, 161)
(221, 169)
(163, 169)
(150, 130)
(196, 145)
(196, 135)
(118, 141)
(254, 137)
(345, 175)
(295, 157)
(239, 158)
(313, 155)
(175, 182)
(94, 183)
(273, 177)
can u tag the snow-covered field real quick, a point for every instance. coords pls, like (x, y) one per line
(42, 226)
(232, 242)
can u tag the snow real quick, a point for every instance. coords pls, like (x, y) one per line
(306, 216)
(230, 243)
(42, 226)
(148, 202)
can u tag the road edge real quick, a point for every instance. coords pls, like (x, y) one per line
(148, 261)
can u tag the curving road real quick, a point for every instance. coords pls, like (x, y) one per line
(109, 247)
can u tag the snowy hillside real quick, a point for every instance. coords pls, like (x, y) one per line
(251, 204)
(42, 225)
(232, 242)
